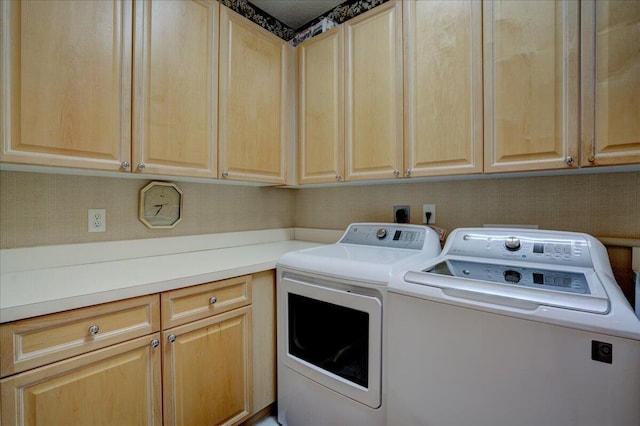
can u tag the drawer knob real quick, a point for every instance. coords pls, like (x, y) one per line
(93, 330)
(213, 300)
(171, 338)
(155, 343)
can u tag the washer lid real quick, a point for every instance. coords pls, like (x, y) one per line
(519, 286)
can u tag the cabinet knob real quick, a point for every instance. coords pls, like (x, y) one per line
(213, 300)
(225, 174)
(93, 330)
(141, 166)
(396, 173)
(125, 165)
(407, 172)
(155, 343)
(592, 159)
(569, 161)
(171, 338)
(338, 177)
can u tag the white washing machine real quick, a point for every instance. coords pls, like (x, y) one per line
(512, 327)
(331, 314)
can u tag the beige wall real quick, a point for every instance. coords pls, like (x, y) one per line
(43, 209)
(600, 204)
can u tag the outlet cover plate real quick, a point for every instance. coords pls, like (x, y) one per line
(407, 215)
(97, 220)
(429, 208)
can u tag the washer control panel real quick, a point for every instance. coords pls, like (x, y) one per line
(568, 282)
(523, 245)
(386, 235)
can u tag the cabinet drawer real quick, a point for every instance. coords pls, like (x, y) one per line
(38, 341)
(197, 302)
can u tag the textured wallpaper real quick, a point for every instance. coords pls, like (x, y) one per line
(43, 209)
(606, 204)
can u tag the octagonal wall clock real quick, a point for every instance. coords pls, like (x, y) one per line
(160, 205)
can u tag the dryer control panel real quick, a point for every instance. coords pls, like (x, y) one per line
(522, 245)
(387, 235)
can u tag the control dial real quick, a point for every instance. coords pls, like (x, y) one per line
(512, 244)
(381, 233)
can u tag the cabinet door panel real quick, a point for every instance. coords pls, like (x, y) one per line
(175, 126)
(443, 87)
(531, 84)
(321, 108)
(373, 86)
(114, 386)
(253, 101)
(207, 370)
(611, 82)
(66, 92)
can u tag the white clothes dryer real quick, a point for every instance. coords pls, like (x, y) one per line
(331, 332)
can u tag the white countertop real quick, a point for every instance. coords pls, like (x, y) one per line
(43, 280)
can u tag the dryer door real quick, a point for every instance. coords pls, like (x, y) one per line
(333, 337)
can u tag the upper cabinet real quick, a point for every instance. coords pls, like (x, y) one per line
(610, 82)
(531, 85)
(66, 94)
(321, 108)
(256, 70)
(373, 89)
(176, 87)
(443, 87)
(408, 89)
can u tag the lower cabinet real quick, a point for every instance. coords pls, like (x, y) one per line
(61, 377)
(207, 362)
(183, 357)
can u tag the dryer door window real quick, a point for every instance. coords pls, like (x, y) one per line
(334, 338)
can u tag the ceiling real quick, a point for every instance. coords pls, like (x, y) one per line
(296, 13)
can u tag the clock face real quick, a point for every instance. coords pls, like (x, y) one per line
(160, 205)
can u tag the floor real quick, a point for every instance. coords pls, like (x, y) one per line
(268, 421)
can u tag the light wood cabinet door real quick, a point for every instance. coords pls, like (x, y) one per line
(256, 69)
(610, 82)
(531, 85)
(118, 385)
(207, 370)
(66, 83)
(321, 108)
(373, 86)
(176, 87)
(443, 87)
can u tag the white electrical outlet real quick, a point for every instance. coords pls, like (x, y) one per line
(431, 208)
(97, 220)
